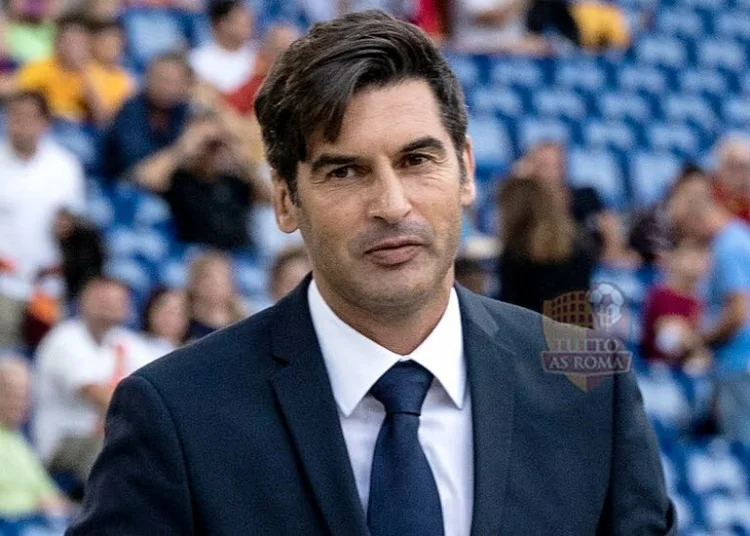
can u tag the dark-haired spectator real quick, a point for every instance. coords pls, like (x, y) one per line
(697, 214)
(25, 486)
(288, 270)
(470, 274)
(213, 302)
(544, 255)
(107, 47)
(492, 26)
(732, 181)
(546, 15)
(228, 60)
(142, 140)
(68, 79)
(79, 363)
(165, 321)
(82, 251)
(672, 313)
(38, 178)
(211, 189)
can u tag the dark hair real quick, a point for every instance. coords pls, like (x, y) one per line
(218, 10)
(72, 21)
(312, 82)
(29, 95)
(153, 299)
(104, 25)
(107, 280)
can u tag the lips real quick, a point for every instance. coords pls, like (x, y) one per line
(394, 251)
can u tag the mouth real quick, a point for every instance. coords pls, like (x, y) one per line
(394, 252)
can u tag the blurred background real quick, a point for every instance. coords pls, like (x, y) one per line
(613, 158)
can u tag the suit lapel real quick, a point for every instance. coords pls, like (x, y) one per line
(492, 384)
(304, 393)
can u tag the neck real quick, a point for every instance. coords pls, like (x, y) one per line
(228, 44)
(24, 152)
(716, 220)
(96, 334)
(211, 314)
(681, 285)
(397, 329)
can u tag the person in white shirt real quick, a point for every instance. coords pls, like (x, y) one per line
(37, 179)
(78, 365)
(227, 61)
(494, 26)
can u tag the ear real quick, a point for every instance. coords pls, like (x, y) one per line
(469, 186)
(283, 206)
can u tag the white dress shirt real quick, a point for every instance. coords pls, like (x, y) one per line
(226, 70)
(354, 363)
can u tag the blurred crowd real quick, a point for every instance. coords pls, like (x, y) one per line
(181, 126)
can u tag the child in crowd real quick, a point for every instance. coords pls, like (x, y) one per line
(672, 312)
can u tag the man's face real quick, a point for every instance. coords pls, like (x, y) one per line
(104, 306)
(108, 46)
(73, 47)
(549, 163)
(26, 124)
(14, 394)
(167, 84)
(687, 207)
(380, 208)
(237, 26)
(734, 171)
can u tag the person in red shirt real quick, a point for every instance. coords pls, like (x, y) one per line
(672, 312)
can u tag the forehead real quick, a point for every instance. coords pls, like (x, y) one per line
(384, 119)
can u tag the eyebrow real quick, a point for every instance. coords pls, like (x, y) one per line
(328, 159)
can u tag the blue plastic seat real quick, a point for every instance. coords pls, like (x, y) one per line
(726, 54)
(585, 75)
(466, 69)
(599, 169)
(661, 50)
(736, 112)
(81, 140)
(130, 272)
(151, 32)
(559, 103)
(651, 174)
(609, 135)
(517, 72)
(676, 138)
(491, 142)
(733, 25)
(679, 22)
(534, 130)
(625, 105)
(497, 99)
(706, 5)
(689, 108)
(706, 81)
(642, 78)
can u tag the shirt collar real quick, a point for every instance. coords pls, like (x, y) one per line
(354, 362)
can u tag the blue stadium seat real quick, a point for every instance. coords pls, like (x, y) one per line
(733, 25)
(736, 112)
(679, 22)
(677, 138)
(151, 211)
(643, 78)
(173, 272)
(151, 245)
(151, 32)
(81, 140)
(661, 50)
(559, 103)
(497, 99)
(729, 55)
(251, 278)
(534, 130)
(609, 135)
(121, 241)
(651, 174)
(706, 5)
(99, 208)
(727, 513)
(491, 142)
(663, 397)
(466, 69)
(584, 75)
(689, 108)
(517, 72)
(131, 273)
(706, 81)
(600, 170)
(625, 105)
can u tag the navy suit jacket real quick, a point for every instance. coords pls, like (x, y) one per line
(239, 434)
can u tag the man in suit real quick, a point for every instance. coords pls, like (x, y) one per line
(378, 397)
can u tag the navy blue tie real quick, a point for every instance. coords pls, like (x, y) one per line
(404, 499)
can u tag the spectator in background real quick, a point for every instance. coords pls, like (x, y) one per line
(276, 40)
(228, 60)
(495, 26)
(289, 268)
(698, 215)
(142, 141)
(210, 190)
(732, 181)
(212, 299)
(37, 179)
(68, 79)
(544, 15)
(602, 25)
(82, 251)
(79, 363)
(25, 486)
(471, 275)
(29, 32)
(107, 47)
(672, 313)
(544, 255)
(547, 161)
(165, 321)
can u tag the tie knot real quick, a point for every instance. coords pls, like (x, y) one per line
(403, 387)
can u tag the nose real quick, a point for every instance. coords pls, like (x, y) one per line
(390, 201)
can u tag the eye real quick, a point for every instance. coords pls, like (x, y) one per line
(342, 173)
(415, 160)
